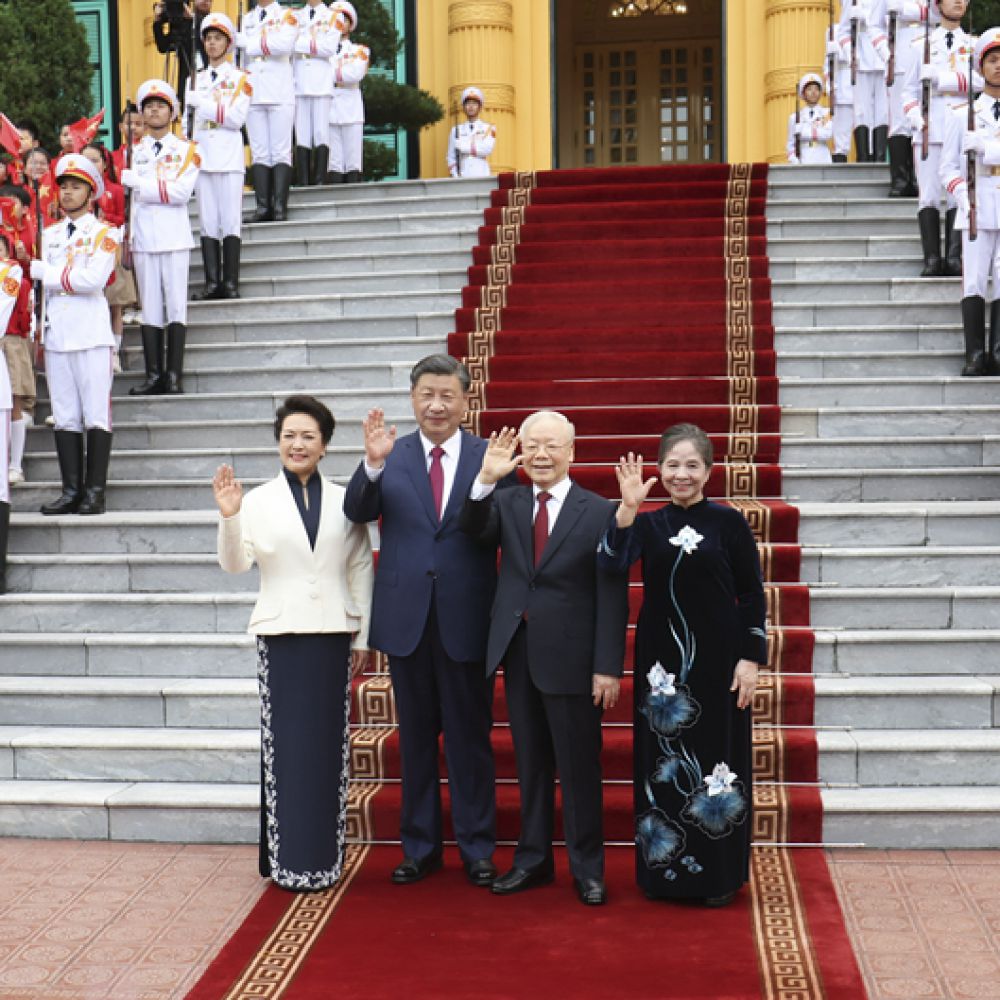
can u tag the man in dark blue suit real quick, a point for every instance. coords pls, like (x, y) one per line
(430, 615)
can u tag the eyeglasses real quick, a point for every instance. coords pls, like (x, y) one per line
(533, 447)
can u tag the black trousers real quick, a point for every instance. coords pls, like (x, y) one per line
(305, 691)
(436, 694)
(554, 732)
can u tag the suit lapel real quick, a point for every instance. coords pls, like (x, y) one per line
(292, 510)
(469, 464)
(572, 508)
(522, 504)
(416, 467)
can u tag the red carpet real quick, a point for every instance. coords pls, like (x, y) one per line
(629, 299)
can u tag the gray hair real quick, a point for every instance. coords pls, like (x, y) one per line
(441, 364)
(559, 418)
(674, 435)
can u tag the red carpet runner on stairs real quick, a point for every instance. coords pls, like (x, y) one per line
(629, 299)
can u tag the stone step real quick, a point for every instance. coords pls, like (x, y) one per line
(917, 523)
(870, 362)
(863, 205)
(937, 306)
(909, 758)
(873, 421)
(347, 268)
(185, 655)
(377, 223)
(822, 246)
(885, 606)
(907, 702)
(270, 245)
(909, 291)
(930, 391)
(899, 339)
(892, 652)
(912, 452)
(948, 817)
(842, 267)
(780, 191)
(388, 283)
(887, 218)
(820, 174)
(877, 485)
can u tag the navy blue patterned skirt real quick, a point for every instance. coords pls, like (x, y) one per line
(305, 699)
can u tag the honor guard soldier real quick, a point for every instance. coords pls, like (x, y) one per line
(470, 143)
(78, 258)
(347, 112)
(863, 20)
(948, 76)
(220, 104)
(981, 256)
(911, 19)
(319, 35)
(268, 36)
(842, 110)
(810, 128)
(10, 287)
(163, 178)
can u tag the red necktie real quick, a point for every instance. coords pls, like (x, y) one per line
(437, 478)
(541, 526)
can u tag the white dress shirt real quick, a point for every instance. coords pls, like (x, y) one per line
(449, 463)
(557, 496)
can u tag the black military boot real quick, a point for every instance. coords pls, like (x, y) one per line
(282, 182)
(862, 147)
(320, 163)
(98, 457)
(334, 177)
(4, 532)
(900, 159)
(952, 245)
(69, 451)
(353, 177)
(912, 191)
(263, 186)
(231, 267)
(211, 256)
(929, 220)
(152, 349)
(303, 155)
(880, 142)
(174, 376)
(974, 328)
(993, 350)
(839, 157)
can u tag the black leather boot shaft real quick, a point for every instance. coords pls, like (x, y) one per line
(282, 183)
(4, 533)
(152, 350)
(974, 329)
(320, 163)
(211, 257)
(263, 184)
(69, 452)
(862, 144)
(929, 221)
(952, 245)
(880, 138)
(231, 246)
(98, 459)
(303, 157)
(174, 377)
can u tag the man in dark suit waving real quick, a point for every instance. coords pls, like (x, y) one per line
(430, 614)
(558, 626)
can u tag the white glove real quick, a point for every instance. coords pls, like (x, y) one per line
(962, 200)
(37, 270)
(832, 48)
(128, 178)
(804, 130)
(928, 71)
(858, 13)
(793, 159)
(882, 49)
(895, 6)
(240, 41)
(973, 142)
(193, 98)
(915, 119)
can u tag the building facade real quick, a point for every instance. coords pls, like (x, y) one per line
(568, 83)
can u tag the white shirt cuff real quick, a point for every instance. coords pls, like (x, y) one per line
(373, 474)
(480, 491)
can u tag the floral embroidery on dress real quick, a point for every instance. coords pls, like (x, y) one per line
(659, 838)
(687, 539)
(719, 805)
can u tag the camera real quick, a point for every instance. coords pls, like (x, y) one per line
(173, 12)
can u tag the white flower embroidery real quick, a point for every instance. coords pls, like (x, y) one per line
(687, 539)
(720, 779)
(660, 682)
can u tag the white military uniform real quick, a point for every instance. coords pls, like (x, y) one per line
(910, 25)
(469, 145)
(223, 100)
(165, 172)
(813, 125)
(843, 95)
(10, 285)
(950, 60)
(869, 93)
(316, 44)
(268, 35)
(347, 111)
(79, 257)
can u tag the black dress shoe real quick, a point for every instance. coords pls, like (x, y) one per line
(414, 869)
(517, 880)
(481, 872)
(592, 891)
(714, 902)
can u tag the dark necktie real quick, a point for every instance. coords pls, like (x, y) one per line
(949, 37)
(996, 110)
(263, 14)
(312, 13)
(215, 76)
(71, 229)
(437, 478)
(157, 146)
(541, 533)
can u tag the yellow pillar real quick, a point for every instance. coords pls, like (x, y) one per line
(746, 66)
(502, 47)
(795, 44)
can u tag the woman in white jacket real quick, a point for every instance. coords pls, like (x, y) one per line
(311, 623)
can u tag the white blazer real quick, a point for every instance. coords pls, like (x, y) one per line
(303, 590)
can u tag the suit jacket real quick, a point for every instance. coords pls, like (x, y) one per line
(576, 616)
(421, 557)
(304, 590)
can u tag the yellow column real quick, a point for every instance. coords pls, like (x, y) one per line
(795, 44)
(502, 47)
(746, 65)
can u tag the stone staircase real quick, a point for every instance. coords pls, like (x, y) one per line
(127, 695)
(894, 461)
